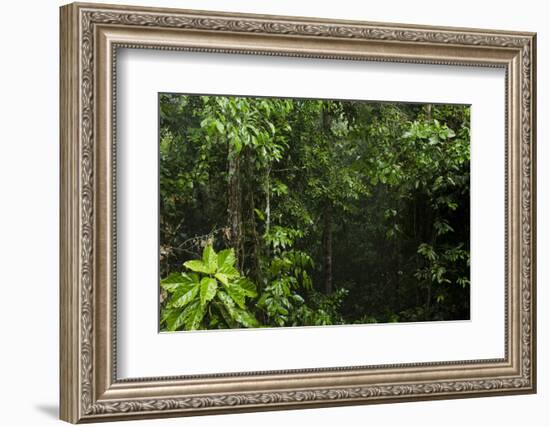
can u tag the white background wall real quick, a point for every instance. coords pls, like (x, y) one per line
(29, 171)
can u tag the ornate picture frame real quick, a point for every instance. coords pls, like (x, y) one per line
(90, 37)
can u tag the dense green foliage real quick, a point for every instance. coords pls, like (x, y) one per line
(288, 212)
(214, 293)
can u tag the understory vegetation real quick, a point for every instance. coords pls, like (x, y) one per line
(295, 212)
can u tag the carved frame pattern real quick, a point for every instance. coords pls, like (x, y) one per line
(80, 401)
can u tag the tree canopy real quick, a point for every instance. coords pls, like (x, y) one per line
(298, 212)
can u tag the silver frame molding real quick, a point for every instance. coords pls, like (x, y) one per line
(90, 36)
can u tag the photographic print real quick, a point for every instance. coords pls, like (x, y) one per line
(280, 212)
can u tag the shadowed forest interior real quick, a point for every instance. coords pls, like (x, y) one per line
(302, 212)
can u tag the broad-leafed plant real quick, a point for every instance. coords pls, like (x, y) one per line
(210, 294)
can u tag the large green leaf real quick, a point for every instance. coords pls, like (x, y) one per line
(208, 289)
(246, 319)
(210, 259)
(228, 270)
(228, 303)
(197, 265)
(236, 293)
(222, 278)
(176, 280)
(248, 287)
(184, 299)
(226, 258)
(181, 292)
(190, 317)
(165, 314)
(169, 316)
(193, 315)
(241, 316)
(174, 319)
(225, 314)
(197, 318)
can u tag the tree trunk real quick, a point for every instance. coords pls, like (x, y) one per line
(430, 237)
(234, 205)
(256, 246)
(326, 120)
(268, 202)
(396, 275)
(327, 249)
(268, 208)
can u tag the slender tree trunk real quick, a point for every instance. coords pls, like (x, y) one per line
(234, 205)
(327, 249)
(268, 202)
(430, 237)
(396, 275)
(256, 247)
(326, 120)
(429, 112)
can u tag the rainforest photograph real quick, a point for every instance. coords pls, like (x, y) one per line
(291, 212)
